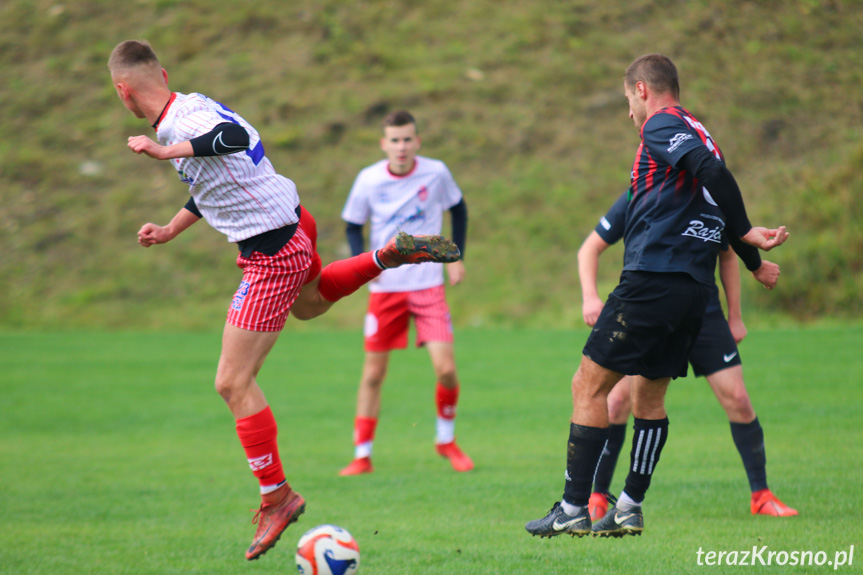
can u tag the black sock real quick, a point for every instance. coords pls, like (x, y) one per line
(648, 439)
(582, 454)
(749, 439)
(608, 459)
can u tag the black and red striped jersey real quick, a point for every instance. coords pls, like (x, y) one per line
(672, 222)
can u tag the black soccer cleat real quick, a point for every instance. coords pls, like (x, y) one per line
(618, 523)
(558, 522)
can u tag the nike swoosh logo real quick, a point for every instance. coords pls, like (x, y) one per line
(224, 148)
(558, 525)
(618, 518)
(728, 357)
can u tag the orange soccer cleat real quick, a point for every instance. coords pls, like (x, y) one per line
(458, 458)
(765, 503)
(358, 466)
(279, 509)
(598, 504)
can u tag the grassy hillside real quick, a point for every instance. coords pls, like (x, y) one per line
(523, 100)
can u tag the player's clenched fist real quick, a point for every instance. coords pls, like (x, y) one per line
(145, 145)
(767, 274)
(150, 234)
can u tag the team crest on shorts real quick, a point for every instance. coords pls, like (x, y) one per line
(240, 296)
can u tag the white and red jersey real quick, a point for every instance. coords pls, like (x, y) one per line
(240, 195)
(413, 203)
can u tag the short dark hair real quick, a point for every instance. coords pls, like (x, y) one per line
(398, 118)
(655, 70)
(131, 54)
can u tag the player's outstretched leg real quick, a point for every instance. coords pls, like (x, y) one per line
(279, 509)
(407, 249)
(618, 523)
(558, 522)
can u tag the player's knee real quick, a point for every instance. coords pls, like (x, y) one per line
(225, 386)
(736, 402)
(302, 314)
(309, 310)
(618, 408)
(446, 376)
(373, 377)
(739, 408)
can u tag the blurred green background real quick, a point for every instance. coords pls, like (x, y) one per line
(523, 100)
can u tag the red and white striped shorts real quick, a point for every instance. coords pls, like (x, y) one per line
(271, 284)
(388, 317)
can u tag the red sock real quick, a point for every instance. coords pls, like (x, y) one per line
(446, 401)
(258, 437)
(364, 429)
(343, 277)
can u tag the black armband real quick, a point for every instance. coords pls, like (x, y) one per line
(226, 138)
(355, 238)
(193, 207)
(459, 225)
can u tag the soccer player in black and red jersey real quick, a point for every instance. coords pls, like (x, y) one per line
(648, 324)
(714, 355)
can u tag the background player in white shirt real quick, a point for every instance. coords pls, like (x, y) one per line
(235, 188)
(406, 192)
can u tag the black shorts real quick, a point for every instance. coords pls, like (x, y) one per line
(714, 348)
(649, 324)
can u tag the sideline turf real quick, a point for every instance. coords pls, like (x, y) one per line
(118, 457)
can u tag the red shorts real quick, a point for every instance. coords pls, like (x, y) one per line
(271, 284)
(387, 320)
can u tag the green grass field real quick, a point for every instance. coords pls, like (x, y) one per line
(118, 457)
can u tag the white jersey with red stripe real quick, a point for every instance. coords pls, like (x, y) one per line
(240, 195)
(413, 203)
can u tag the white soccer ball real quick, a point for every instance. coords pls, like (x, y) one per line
(327, 550)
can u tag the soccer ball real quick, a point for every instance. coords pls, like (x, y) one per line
(327, 550)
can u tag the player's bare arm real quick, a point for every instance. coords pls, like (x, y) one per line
(226, 138)
(588, 265)
(151, 234)
(456, 272)
(149, 147)
(729, 275)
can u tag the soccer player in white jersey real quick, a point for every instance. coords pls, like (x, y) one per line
(234, 187)
(406, 192)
